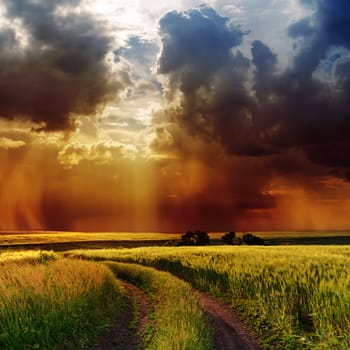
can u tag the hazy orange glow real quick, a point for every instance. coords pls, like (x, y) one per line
(166, 195)
(20, 193)
(117, 117)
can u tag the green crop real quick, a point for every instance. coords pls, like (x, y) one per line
(296, 297)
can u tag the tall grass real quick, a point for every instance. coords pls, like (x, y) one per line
(296, 297)
(62, 304)
(178, 321)
(33, 256)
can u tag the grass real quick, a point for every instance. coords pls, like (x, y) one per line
(48, 302)
(33, 256)
(177, 321)
(297, 297)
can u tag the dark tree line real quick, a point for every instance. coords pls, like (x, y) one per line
(247, 238)
(230, 238)
(191, 238)
(195, 238)
(250, 239)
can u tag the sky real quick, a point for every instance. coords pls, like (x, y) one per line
(167, 116)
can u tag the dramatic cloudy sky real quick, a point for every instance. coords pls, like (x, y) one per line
(152, 115)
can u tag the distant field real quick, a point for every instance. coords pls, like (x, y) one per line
(51, 239)
(70, 240)
(22, 237)
(305, 237)
(298, 234)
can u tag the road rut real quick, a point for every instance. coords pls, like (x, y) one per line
(126, 334)
(229, 331)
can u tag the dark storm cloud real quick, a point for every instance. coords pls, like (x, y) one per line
(314, 111)
(198, 57)
(342, 76)
(293, 108)
(334, 155)
(292, 124)
(327, 28)
(62, 70)
(196, 44)
(309, 110)
(302, 28)
(7, 39)
(265, 62)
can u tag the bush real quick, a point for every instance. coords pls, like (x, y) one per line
(188, 238)
(195, 238)
(229, 237)
(237, 241)
(250, 239)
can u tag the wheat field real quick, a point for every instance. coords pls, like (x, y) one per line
(294, 296)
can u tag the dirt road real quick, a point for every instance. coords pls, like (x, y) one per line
(229, 331)
(127, 331)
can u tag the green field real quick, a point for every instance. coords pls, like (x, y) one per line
(177, 321)
(295, 297)
(47, 302)
(50, 302)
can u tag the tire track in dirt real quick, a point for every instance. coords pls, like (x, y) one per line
(229, 331)
(125, 335)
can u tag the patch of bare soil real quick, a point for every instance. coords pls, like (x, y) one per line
(126, 333)
(229, 331)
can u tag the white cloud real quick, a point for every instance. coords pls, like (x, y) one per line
(7, 143)
(102, 152)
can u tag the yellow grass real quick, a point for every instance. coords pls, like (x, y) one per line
(56, 304)
(28, 255)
